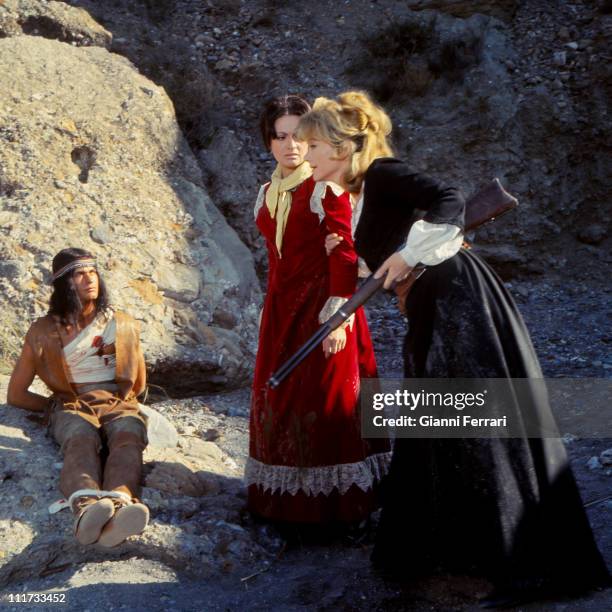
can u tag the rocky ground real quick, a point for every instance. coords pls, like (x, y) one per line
(202, 551)
(476, 89)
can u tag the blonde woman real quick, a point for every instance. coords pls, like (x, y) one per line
(506, 508)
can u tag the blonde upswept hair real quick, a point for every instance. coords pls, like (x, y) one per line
(355, 126)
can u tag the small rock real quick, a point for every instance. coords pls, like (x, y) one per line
(560, 58)
(605, 457)
(572, 45)
(594, 464)
(207, 451)
(563, 33)
(27, 501)
(210, 435)
(224, 64)
(592, 234)
(160, 431)
(523, 291)
(101, 234)
(181, 479)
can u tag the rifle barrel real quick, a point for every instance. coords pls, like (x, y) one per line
(371, 286)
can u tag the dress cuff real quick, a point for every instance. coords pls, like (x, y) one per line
(431, 243)
(330, 308)
(362, 269)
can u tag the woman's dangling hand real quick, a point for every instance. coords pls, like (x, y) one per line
(331, 242)
(396, 269)
(335, 342)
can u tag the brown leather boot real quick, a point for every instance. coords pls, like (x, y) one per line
(91, 517)
(122, 472)
(128, 520)
(81, 469)
(123, 468)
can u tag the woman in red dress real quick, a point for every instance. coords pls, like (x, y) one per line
(307, 461)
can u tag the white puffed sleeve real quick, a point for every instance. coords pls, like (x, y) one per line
(431, 243)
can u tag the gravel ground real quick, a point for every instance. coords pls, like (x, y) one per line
(570, 331)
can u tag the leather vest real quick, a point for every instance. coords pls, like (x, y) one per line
(130, 375)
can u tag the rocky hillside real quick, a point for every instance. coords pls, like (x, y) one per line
(91, 155)
(476, 89)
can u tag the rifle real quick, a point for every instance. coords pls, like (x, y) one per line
(483, 207)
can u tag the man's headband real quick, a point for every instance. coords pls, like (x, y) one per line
(73, 265)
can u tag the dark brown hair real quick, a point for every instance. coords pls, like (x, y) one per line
(279, 107)
(65, 302)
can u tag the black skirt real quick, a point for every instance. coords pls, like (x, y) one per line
(505, 508)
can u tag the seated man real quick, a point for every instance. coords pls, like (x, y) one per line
(90, 358)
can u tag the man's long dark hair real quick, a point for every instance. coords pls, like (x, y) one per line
(65, 302)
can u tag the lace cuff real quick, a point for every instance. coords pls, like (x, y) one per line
(362, 268)
(333, 304)
(431, 243)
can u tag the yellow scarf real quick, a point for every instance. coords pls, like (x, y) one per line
(278, 197)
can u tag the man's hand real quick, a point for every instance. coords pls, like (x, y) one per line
(331, 242)
(396, 269)
(335, 342)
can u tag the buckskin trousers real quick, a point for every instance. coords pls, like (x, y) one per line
(81, 427)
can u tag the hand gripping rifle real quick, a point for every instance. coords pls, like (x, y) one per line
(484, 206)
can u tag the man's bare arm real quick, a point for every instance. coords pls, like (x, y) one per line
(21, 379)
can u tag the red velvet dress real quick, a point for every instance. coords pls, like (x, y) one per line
(308, 462)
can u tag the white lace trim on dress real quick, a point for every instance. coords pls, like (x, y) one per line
(331, 306)
(261, 197)
(316, 199)
(320, 479)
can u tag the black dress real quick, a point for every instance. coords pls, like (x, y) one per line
(505, 508)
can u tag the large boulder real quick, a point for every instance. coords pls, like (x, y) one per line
(91, 156)
(54, 20)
